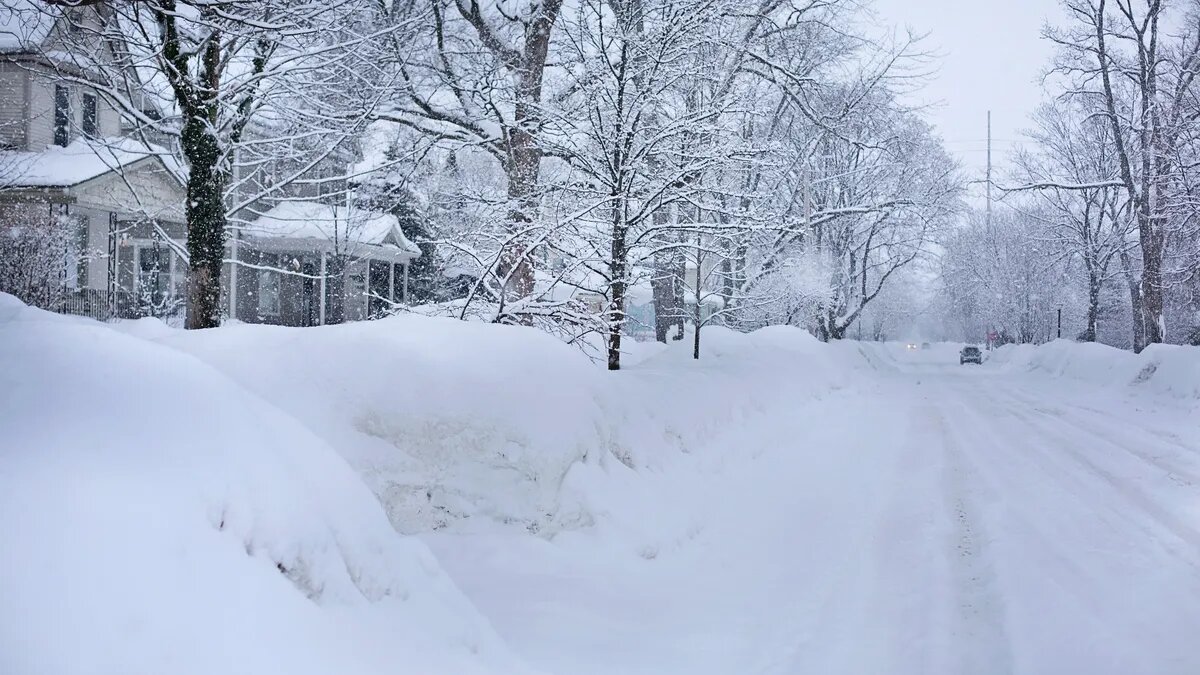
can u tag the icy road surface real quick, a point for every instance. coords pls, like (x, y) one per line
(928, 518)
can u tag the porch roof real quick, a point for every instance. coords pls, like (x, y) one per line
(312, 226)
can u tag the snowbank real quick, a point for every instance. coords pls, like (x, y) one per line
(161, 519)
(210, 501)
(1170, 370)
(467, 425)
(446, 420)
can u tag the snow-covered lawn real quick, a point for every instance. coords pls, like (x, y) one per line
(417, 495)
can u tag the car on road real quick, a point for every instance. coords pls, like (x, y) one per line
(924, 345)
(910, 346)
(970, 354)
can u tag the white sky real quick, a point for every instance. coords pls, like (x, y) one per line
(991, 57)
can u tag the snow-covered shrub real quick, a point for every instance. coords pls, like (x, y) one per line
(35, 250)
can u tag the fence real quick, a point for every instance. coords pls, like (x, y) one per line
(87, 302)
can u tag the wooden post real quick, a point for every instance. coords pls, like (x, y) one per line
(322, 302)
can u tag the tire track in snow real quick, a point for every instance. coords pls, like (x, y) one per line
(1067, 536)
(981, 638)
(909, 603)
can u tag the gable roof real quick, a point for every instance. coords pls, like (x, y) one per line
(81, 161)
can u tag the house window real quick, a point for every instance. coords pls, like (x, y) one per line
(62, 115)
(89, 115)
(159, 278)
(268, 293)
(154, 274)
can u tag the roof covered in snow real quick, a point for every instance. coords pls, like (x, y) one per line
(326, 223)
(80, 161)
(24, 24)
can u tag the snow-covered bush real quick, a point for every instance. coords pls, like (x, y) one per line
(35, 251)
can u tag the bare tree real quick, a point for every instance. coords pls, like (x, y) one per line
(475, 77)
(637, 131)
(1071, 170)
(1141, 77)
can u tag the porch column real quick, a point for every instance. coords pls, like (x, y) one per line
(405, 298)
(391, 282)
(322, 305)
(233, 276)
(113, 264)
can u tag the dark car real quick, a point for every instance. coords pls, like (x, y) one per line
(970, 355)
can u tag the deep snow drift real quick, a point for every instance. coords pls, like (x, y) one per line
(160, 519)
(419, 495)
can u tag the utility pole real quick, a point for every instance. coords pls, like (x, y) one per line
(1060, 323)
(988, 215)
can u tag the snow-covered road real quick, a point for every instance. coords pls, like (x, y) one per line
(928, 518)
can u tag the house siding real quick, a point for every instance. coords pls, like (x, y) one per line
(41, 84)
(155, 194)
(41, 109)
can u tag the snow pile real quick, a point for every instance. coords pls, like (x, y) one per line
(675, 426)
(161, 519)
(447, 421)
(1161, 369)
(464, 425)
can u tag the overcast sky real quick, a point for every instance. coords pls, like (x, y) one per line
(991, 57)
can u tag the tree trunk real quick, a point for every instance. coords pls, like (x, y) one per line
(1093, 311)
(664, 298)
(524, 153)
(667, 286)
(516, 267)
(699, 313)
(205, 214)
(834, 331)
(617, 267)
(1152, 292)
(1135, 303)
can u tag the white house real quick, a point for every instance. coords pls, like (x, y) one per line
(66, 158)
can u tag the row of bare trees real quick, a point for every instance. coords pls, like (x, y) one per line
(1109, 183)
(722, 161)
